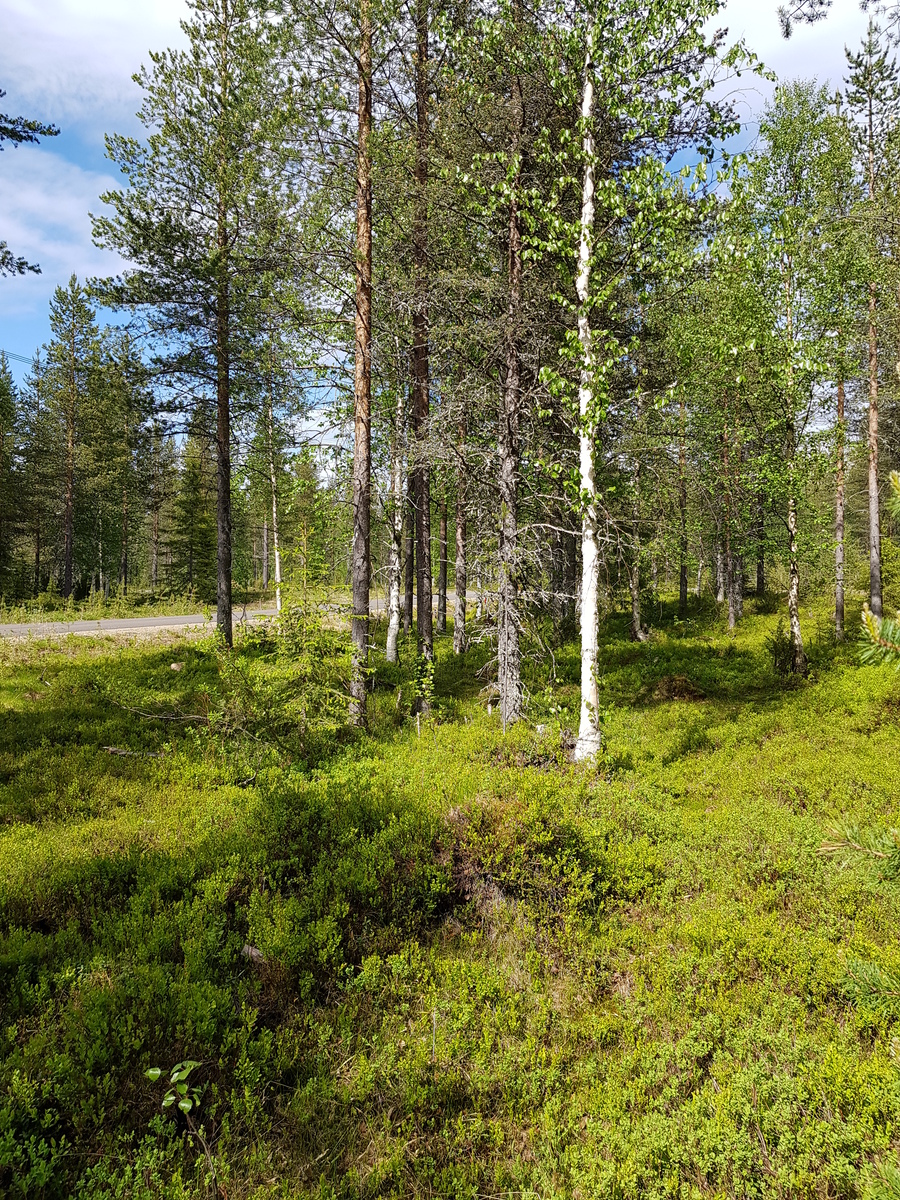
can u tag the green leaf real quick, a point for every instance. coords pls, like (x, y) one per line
(154, 1073)
(186, 1104)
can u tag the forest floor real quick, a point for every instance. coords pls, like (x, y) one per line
(440, 960)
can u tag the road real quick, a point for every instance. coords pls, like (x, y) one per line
(43, 629)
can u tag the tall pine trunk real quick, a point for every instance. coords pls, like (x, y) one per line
(69, 496)
(362, 467)
(223, 428)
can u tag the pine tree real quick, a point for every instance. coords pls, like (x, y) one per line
(204, 216)
(873, 102)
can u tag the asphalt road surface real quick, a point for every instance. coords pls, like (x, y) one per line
(43, 629)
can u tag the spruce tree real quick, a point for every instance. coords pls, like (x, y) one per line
(70, 387)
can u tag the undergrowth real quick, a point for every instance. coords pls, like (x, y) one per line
(437, 960)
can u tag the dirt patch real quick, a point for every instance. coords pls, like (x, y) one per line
(676, 687)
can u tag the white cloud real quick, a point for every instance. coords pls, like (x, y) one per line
(71, 61)
(45, 203)
(815, 51)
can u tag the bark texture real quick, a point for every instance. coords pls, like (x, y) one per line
(509, 654)
(398, 457)
(839, 520)
(442, 569)
(420, 349)
(875, 596)
(461, 582)
(359, 570)
(588, 744)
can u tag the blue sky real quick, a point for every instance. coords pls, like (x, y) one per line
(71, 61)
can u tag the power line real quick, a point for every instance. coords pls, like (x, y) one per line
(17, 357)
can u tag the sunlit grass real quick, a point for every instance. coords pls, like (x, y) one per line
(480, 970)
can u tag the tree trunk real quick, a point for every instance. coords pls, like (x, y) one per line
(154, 549)
(570, 568)
(682, 512)
(410, 567)
(738, 585)
(273, 487)
(720, 574)
(729, 550)
(760, 546)
(123, 557)
(637, 631)
(875, 599)
(460, 581)
(508, 656)
(69, 500)
(265, 553)
(420, 350)
(223, 439)
(588, 744)
(398, 457)
(362, 378)
(442, 570)
(839, 520)
(798, 655)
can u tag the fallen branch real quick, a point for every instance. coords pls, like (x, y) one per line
(132, 753)
(150, 716)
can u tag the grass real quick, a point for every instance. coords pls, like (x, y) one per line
(444, 961)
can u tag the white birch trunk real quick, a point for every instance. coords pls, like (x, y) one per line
(394, 561)
(588, 744)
